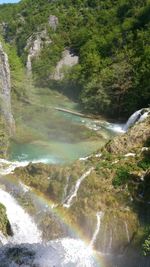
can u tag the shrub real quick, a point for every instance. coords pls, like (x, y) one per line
(122, 176)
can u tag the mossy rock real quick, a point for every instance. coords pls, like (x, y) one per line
(4, 138)
(5, 226)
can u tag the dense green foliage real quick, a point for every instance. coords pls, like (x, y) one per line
(146, 246)
(110, 37)
(122, 176)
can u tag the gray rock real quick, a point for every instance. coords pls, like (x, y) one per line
(53, 22)
(34, 45)
(5, 91)
(68, 60)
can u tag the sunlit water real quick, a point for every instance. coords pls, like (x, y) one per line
(27, 248)
(47, 135)
(42, 132)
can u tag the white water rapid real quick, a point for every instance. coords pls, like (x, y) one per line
(70, 198)
(99, 216)
(114, 127)
(7, 167)
(23, 227)
(137, 116)
(64, 252)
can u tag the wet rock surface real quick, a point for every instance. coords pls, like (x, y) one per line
(113, 186)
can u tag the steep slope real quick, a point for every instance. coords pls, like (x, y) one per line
(5, 93)
(6, 117)
(112, 181)
(111, 39)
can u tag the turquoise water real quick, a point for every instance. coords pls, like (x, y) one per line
(42, 132)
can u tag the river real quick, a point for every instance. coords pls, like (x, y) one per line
(44, 133)
(50, 136)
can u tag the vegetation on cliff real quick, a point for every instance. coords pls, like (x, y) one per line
(110, 38)
(5, 227)
(118, 185)
(4, 138)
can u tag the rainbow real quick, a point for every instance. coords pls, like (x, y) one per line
(62, 216)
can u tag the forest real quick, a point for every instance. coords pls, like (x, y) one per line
(111, 38)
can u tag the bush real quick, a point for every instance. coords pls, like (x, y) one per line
(146, 246)
(122, 176)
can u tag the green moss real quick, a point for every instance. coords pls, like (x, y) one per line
(122, 176)
(4, 138)
(145, 162)
(4, 223)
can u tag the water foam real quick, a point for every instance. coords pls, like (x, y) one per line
(70, 198)
(23, 227)
(7, 167)
(99, 216)
(64, 252)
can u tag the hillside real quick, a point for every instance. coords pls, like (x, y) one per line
(111, 39)
(72, 173)
(114, 180)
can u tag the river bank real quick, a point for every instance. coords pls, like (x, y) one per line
(107, 183)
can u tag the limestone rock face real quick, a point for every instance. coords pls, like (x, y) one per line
(53, 22)
(5, 91)
(34, 45)
(68, 60)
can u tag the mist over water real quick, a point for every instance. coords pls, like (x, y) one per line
(48, 134)
(44, 134)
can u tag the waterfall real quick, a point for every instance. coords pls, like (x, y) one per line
(114, 127)
(3, 239)
(29, 64)
(145, 115)
(127, 231)
(64, 252)
(110, 240)
(24, 187)
(23, 227)
(7, 167)
(137, 116)
(99, 216)
(65, 189)
(74, 193)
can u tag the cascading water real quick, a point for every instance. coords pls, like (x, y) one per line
(59, 253)
(70, 198)
(26, 248)
(64, 252)
(99, 216)
(110, 241)
(137, 116)
(7, 167)
(127, 231)
(65, 189)
(23, 227)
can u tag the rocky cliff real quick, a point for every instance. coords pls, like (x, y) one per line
(5, 228)
(5, 91)
(114, 181)
(7, 124)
